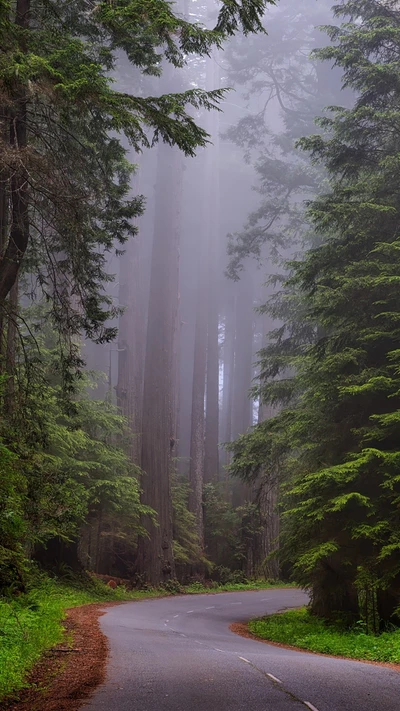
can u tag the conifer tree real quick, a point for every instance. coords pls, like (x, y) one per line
(64, 176)
(338, 440)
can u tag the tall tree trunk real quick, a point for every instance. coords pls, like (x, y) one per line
(268, 544)
(13, 254)
(4, 216)
(155, 554)
(211, 458)
(11, 348)
(196, 472)
(228, 372)
(132, 341)
(242, 416)
(268, 540)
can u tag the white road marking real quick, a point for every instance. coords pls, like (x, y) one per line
(176, 615)
(271, 676)
(210, 608)
(245, 660)
(166, 620)
(310, 706)
(189, 612)
(182, 635)
(218, 650)
(236, 603)
(197, 642)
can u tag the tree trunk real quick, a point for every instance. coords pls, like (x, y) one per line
(155, 554)
(11, 348)
(242, 417)
(228, 373)
(268, 503)
(131, 342)
(196, 472)
(4, 218)
(211, 458)
(334, 594)
(13, 254)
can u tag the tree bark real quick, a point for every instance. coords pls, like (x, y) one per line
(155, 554)
(242, 417)
(211, 458)
(268, 503)
(131, 342)
(334, 594)
(13, 254)
(196, 471)
(228, 372)
(11, 348)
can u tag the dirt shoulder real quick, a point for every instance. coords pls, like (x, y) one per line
(67, 674)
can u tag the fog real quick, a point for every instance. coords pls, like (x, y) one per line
(216, 229)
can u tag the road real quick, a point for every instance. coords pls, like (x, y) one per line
(178, 654)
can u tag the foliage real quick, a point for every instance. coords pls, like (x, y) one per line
(63, 466)
(281, 74)
(12, 522)
(65, 191)
(32, 623)
(221, 528)
(337, 439)
(301, 629)
(187, 548)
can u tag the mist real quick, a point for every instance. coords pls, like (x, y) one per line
(209, 255)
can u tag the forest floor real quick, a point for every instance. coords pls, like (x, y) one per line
(45, 631)
(299, 629)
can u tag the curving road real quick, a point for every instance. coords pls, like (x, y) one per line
(178, 654)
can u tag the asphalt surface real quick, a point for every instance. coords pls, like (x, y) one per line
(178, 654)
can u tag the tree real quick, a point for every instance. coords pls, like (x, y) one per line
(293, 88)
(338, 439)
(64, 175)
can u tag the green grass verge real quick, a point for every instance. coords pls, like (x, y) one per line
(300, 629)
(32, 623)
(236, 587)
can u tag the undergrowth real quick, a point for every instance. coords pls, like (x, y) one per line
(235, 587)
(300, 629)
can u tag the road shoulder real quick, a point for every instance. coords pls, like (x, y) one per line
(68, 673)
(241, 629)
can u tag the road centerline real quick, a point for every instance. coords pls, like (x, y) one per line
(271, 676)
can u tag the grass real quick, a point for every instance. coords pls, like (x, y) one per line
(236, 587)
(32, 623)
(300, 629)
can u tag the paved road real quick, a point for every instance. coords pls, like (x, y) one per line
(178, 654)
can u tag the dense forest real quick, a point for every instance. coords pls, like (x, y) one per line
(199, 372)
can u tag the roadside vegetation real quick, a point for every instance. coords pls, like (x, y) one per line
(32, 623)
(299, 628)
